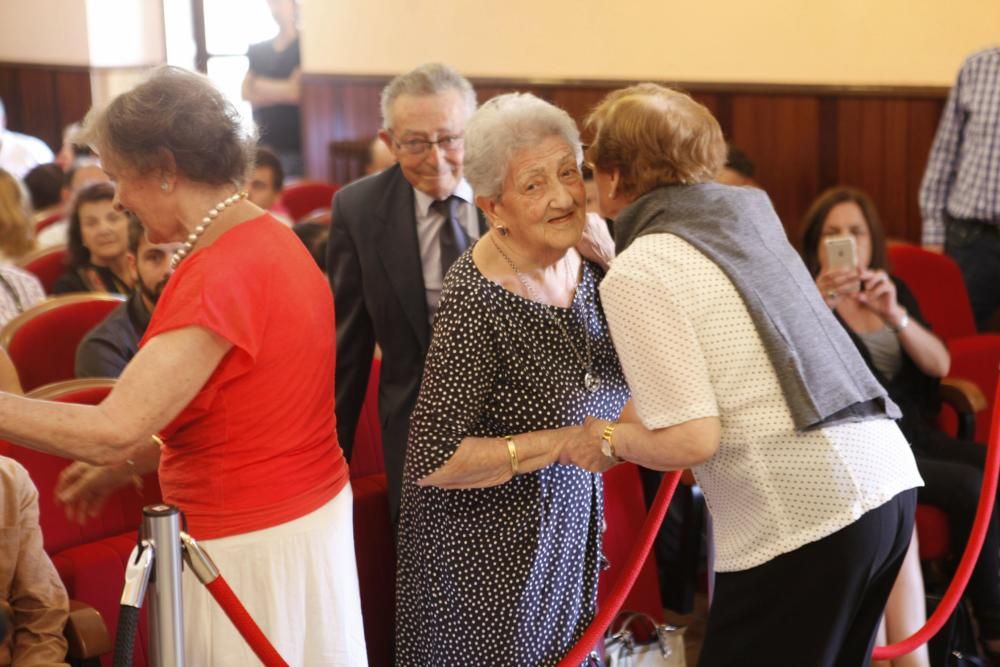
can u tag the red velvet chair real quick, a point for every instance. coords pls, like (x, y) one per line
(90, 558)
(624, 513)
(304, 197)
(375, 550)
(47, 264)
(42, 340)
(366, 455)
(48, 221)
(937, 283)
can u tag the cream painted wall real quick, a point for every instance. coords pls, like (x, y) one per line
(837, 42)
(52, 32)
(97, 33)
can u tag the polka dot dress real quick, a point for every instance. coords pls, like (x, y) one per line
(505, 575)
(690, 349)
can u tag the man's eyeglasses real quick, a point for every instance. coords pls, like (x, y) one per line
(447, 143)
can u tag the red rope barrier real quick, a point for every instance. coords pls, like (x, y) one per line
(624, 584)
(957, 586)
(237, 613)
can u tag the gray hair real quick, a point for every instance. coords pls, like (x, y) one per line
(505, 125)
(429, 79)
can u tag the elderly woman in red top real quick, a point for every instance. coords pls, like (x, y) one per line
(235, 372)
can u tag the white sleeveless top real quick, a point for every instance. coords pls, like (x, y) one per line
(689, 350)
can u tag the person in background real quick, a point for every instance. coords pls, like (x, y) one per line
(960, 192)
(98, 244)
(266, 184)
(108, 347)
(45, 187)
(393, 236)
(740, 372)
(738, 170)
(20, 152)
(883, 319)
(272, 87)
(16, 239)
(71, 150)
(29, 585)
(315, 236)
(379, 157)
(84, 171)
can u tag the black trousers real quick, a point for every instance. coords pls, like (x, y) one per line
(817, 606)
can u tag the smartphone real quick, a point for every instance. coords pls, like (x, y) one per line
(842, 253)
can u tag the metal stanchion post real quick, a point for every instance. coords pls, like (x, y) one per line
(161, 526)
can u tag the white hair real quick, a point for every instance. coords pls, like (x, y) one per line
(429, 79)
(505, 125)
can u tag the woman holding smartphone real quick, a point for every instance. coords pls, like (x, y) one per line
(883, 318)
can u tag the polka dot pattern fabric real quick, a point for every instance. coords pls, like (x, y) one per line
(689, 349)
(505, 575)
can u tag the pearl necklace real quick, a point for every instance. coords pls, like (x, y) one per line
(193, 237)
(591, 380)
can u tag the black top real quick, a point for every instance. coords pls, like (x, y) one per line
(107, 348)
(504, 575)
(915, 392)
(79, 280)
(278, 123)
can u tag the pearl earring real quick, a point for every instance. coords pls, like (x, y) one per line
(164, 186)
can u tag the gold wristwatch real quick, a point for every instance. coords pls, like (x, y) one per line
(608, 447)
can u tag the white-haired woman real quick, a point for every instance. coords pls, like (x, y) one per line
(499, 541)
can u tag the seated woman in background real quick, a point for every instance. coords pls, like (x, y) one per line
(499, 541)
(16, 238)
(883, 319)
(98, 244)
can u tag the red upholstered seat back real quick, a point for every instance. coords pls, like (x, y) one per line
(122, 512)
(977, 358)
(42, 340)
(375, 550)
(304, 197)
(937, 283)
(933, 533)
(625, 512)
(366, 455)
(47, 264)
(48, 221)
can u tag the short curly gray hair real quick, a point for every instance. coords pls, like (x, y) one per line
(429, 79)
(505, 125)
(179, 114)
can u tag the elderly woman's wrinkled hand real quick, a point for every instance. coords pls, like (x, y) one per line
(583, 447)
(83, 488)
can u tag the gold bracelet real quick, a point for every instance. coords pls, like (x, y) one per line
(608, 448)
(512, 452)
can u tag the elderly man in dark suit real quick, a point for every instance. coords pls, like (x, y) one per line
(392, 238)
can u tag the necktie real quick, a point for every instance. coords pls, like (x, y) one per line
(452, 238)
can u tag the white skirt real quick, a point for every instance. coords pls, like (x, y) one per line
(298, 581)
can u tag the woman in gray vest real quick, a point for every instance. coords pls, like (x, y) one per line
(737, 371)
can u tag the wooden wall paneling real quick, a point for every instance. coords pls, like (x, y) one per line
(73, 98)
(897, 202)
(780, 134)
(41, 100)
(924, 115)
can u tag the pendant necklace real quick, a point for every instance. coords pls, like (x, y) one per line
(591, 380)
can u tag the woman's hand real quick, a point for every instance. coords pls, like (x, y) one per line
(583, 447)
(879, 296)
(834, 284)
(83, 488)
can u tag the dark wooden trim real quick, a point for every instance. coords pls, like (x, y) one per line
(200, 41)
(77, 69)
(740, 88)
